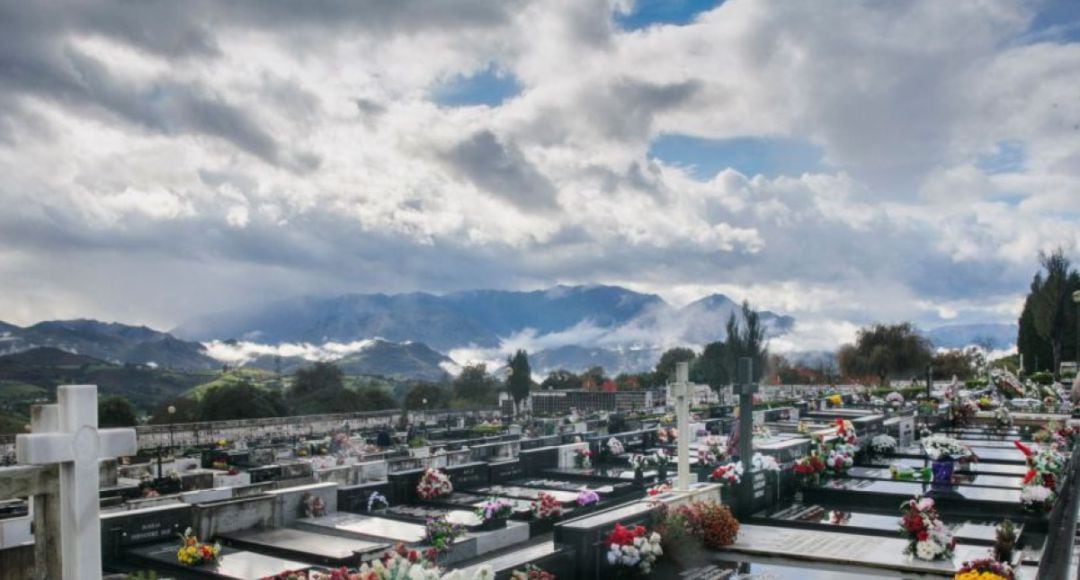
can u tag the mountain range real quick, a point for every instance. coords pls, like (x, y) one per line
(405, 336)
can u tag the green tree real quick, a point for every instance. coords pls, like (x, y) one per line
(885, 351)
(711, 368)
(317, 377)
(476, 385)
(959, 363)
(519, 381)
(186, 410)
(240, 400)
(561, 380)
(665, 368)
(1048, 312)
(116, 411)
(374, 399)
(424, 396)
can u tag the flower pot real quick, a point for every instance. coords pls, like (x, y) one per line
(492, 524)
(943, 471)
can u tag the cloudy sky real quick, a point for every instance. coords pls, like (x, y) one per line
(843, 162)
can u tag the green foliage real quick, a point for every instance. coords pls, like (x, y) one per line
(718, 363)
(958, 363)
(561, 380)
(320, 389)
(665, 368)
(116, 411)
(434, 395)
(374, 399)
(519, 381)
(317, 377)
(1047, 330)
(186, 410)
(885, 351)
(475, 385)
(1042, 378)
(241, 400)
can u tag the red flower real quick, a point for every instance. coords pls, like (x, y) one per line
(923, 536)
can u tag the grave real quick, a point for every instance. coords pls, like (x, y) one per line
(854, 552)
(306, 547)
(231, 563)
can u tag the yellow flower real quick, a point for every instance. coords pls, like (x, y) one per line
(835, 400)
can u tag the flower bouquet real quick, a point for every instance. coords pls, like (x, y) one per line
(494, 513)
(835, 400)
(312, 506)
(633, 548)
(440, 534)
(1004, 541)
(1002, 418)
(894, 399)
(761, 462)
(583, 458)
(729, 474)
(587, 497)
(964, 410)
(809, 469)
(845, 430)
(667, 434)
(531, 572)
(927, 536)
(661, 461)
(985, 569)
(377, 501)
(615, 447)
(194, 553)
(1037, 498)
(839, 460)
(713, 453)
(434, 484)
(659, 489)
(546, 507)
(883, 444)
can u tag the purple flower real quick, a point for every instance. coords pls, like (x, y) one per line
(587, 497)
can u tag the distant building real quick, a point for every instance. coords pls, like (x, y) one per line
(699, 395)
(561, 402)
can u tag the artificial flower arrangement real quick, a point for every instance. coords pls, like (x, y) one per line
(494, 508)
(440, 534)
(546, 506)
(193, 553)
(615, 447)
(1040, 482)
(660, 460)
(985, 569)
(883, 444)
(1003, 418)
(634, 548)
(762, 432)
(659, 489)
(1007, 384)
(377, 501)
(985, 403)
(434, 484)
(583, 458)
(531, 572)
(587, 497)
(729, 474)
(312, 506)
(401, 563)
(835, 400)
(638, 462)
(709, 522)
(845, 430)
(895, 399)
(667, 434)
(839, 518)
(943, 447)
(964, 410)
(926, 534)
(761, 462)
(713, 453)
(909, 473)
(840, 459)
(809, 468)
(1004, 541)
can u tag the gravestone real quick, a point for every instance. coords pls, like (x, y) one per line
(121, 530)
(75, 442)
(745, 389)
(680, 390)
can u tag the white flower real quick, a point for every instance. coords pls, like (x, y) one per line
(926, 550)
(485, 572)
(764, 463)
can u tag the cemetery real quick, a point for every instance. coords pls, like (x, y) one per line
(830, 486)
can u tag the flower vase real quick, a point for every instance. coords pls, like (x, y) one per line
(639, 477)
(661, 474)
(942, 472)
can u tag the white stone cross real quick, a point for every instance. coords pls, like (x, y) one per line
(72, 439)
(680, 389)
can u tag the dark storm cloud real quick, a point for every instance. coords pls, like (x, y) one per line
(502, 170)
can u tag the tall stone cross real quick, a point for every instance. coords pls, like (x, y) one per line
(72, 439)
(680, 389)
(745, 387)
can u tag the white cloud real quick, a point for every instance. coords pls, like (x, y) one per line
(218, 164)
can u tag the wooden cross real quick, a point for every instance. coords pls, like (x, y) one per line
(72, 439)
